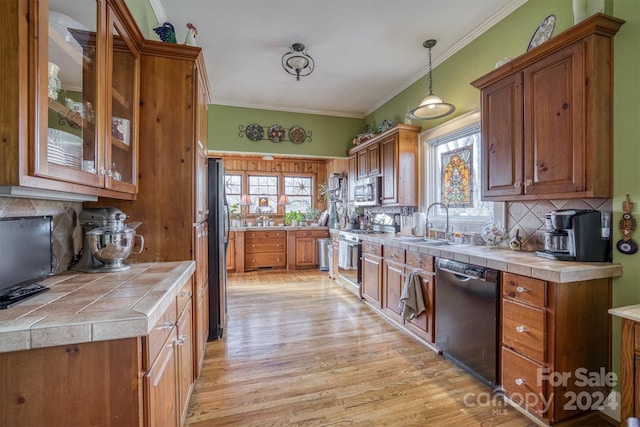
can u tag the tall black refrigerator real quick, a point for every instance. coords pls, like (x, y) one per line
(218, 240)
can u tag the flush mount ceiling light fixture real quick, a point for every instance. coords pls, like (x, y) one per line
(297, 61)
(431, 107)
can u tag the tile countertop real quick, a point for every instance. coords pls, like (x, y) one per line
(523, 263)
(84, 307)
(631, 312)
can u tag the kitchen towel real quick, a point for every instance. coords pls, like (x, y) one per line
(411, 301)
(344, 255)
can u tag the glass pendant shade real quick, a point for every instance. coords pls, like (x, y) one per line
(432, 106)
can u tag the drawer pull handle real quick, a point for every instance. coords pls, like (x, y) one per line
(181, 339)
(519, 381)
(185, 294)
(167, 325)
(521, 329)
(522, 289)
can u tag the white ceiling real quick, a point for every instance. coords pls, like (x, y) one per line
(365, 51)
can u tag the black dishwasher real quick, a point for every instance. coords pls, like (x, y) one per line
(467, 313)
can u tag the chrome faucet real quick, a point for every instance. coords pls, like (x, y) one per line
(446, 209)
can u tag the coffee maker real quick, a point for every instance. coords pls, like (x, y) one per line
(578, 235)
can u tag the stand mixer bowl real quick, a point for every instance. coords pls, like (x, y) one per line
(113, 245)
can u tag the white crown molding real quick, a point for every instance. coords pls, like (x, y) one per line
(292, 110)
(474, 34)
(158, 10)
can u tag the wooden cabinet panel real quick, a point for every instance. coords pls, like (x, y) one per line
(373, 159)
(394, 254)
(363, 164)
(524, 289)
(393, 279)
(259, 260)
(161, 386)
(87, 384)
(424, 324)
(262, 246)
(372, 279)
(520, 380)
(201, 333)
(501, 148)
(554, 121)
(163, 328)
(524, 329)
(185, 346)
(372, 249)
(353, 174)
(306, 252)
(389, 161)
(419, 261)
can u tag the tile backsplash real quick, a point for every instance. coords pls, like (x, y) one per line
(528, 217)
(67, 233)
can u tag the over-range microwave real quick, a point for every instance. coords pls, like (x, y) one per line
(366, 191)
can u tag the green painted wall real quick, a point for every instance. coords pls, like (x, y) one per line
(144, 16)
(331, 136)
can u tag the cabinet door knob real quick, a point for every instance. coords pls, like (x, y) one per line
(519, 381)
(517, 184)
(185, 293)
(527, 182)
(167, 325)
(521, 329)
(521, 289)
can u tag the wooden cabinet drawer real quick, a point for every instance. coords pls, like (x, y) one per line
(318, 234)
(372, 248)
(520, 381)
(637, 337)
(394, 254)
(523, 329)
(421, 261)
(265, 234)
(266, 260)
(160, 332)
(274, 245)
(525, 289)
(184, 296)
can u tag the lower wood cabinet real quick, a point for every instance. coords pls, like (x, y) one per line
(630, 370)
(392, 280)
(265, 249)
(372, 273)
(306, 248)
(553, 334)
(423, 325)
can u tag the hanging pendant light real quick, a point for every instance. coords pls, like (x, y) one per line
(432, 106)
(297, 61)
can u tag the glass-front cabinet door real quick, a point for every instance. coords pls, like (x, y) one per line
(122, 83)
(67, 142)
(86, 113)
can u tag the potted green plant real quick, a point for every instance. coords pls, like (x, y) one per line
(234, 214)
(312, 215)
(293, 218)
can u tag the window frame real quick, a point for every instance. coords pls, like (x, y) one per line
(313, 179)
(428, 183)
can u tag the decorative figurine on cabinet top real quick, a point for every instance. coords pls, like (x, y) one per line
(166, 33)
(192, 32)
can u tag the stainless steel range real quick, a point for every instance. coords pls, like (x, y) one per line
(350, 253)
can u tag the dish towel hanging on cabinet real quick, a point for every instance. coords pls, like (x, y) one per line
(344, 255)
(411, 301)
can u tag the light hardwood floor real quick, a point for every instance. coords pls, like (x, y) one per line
(300, 351)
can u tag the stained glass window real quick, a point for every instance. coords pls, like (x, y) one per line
(456, 177)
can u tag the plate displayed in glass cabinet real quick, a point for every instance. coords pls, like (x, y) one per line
(276, 133)
(297, 134)
(254, 132)
(544, 31)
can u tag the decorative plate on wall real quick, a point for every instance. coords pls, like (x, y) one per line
(255, 132)
(297, 135)
(276, 133)
(544, 31)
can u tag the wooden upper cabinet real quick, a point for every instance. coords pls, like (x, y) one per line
(393, 155)
(547, 118)
(74, 114)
